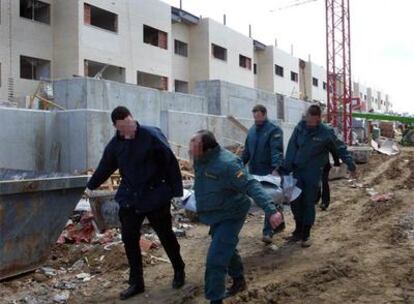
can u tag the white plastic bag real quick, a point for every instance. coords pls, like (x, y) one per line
(285, 192)
(276, 193)
(290, 190)
(189, 203)
(271, 179)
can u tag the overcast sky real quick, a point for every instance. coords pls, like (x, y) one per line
(382, 36)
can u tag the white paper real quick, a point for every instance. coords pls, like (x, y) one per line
(271, 179)
(190, 204)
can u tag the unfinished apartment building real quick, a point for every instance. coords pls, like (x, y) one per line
(141, 42)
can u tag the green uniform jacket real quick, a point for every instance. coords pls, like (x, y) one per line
(223, 187)
(309, 148)
(263, 151)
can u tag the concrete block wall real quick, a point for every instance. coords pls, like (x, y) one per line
(23, 136)
(64, 141)
(294, 110)
(225, 98)
(74, 140)
(81, 136)
(182, 125)
(145, 104)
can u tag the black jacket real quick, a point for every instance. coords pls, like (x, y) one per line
(149, 170)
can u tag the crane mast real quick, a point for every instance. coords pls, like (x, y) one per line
(338, 65)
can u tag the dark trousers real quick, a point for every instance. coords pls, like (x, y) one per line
(161, 222)
(325, 192)
(222, 257)
(303, 208)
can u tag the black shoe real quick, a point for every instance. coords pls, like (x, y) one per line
(306, 241)
(295, 237)
(324, 207)
(216, 302)
(131, 291)
(179, 279)
(239, 285)
(267, 239)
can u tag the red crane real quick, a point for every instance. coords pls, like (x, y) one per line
(338, 64)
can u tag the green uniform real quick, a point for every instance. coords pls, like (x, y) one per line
(223, 189)
(306, 156)
(263, 153)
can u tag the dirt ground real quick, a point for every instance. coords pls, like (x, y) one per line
(362, 252)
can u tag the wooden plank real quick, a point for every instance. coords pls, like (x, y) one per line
(237, 123)
(32, 97)
(50, 103)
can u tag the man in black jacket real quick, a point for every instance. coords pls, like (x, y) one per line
(325, 192)
(151, 177)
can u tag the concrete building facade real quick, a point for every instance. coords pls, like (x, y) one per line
(313, 85)
(278, 72)
(220, 53)
(142, 42)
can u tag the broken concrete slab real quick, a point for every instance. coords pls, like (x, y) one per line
(385, 146)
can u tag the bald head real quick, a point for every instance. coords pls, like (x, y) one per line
(201, 142)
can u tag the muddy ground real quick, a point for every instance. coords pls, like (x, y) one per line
(362, 252)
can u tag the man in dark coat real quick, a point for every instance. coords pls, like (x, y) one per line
(150, 179)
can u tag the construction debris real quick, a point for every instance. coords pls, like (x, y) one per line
(373, 228)
(186, 169)
(62, 297)
(387, 129)
(378, 198)
(78, 232)
(385, 146)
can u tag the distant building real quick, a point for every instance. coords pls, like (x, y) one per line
(147, 43)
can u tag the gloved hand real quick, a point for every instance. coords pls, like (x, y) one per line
(276, 219)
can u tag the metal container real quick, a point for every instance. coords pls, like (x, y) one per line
(34, 209)
(105, 209)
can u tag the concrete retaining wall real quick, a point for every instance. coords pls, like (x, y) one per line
(182, 125)
(145, 104)
(294, 109)
(225, 98)
(81, 136)
(64, 141)
(24, 138)
(73, 140)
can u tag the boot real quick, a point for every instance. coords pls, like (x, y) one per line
(267, 239)
(306, 241)
(131, 291)
(296, 234)
(217, 302)
(179, 279)
(324, 206)
(239, 285)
